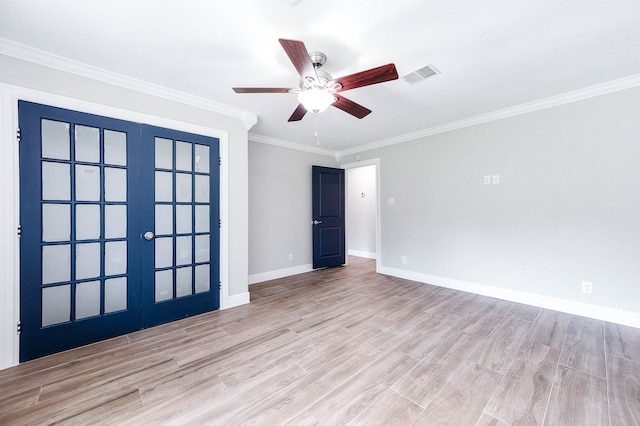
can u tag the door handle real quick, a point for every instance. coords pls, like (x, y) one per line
(148, 235)
(316, 222)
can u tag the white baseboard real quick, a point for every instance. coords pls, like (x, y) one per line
(280, 273)
(238, 300)
(359, 253)
(602, 313)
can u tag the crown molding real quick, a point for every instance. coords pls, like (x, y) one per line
(40, 57)
(291, 145)
(565, 98)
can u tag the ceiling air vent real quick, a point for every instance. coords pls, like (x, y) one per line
(421, 74)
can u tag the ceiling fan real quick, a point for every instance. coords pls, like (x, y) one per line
(318, 89)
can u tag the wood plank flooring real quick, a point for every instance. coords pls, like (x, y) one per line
(343, 346)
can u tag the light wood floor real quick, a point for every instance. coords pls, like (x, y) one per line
(343, 346)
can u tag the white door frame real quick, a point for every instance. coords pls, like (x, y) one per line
(10, 197)
(372, 162)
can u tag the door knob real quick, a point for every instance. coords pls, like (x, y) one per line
(148, 235)
(316, 222)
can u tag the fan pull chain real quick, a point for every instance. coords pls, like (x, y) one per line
(317, 129)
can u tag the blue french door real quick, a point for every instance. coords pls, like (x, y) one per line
(91, 189)
(181, 229)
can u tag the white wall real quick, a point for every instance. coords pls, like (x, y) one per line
(280, 210)
(361, 211)
(565, 211)
(23, 79)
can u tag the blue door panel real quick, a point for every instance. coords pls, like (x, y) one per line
(36, 340)
(328, 209)
(153, 312)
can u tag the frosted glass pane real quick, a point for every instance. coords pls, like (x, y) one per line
(56, 222)
(115, 295)
(184, 219)
(164, 153)
(202, 248)
(115, 148)
(87, 299)
(56, 263)
(55, 140)
(202, 189)
(87, 260)
(87, 183)
(115, 258)
(183, 156)
(115, 221)
(203, 280)
(183, 282)
(115, 184)
(183, 187)
(183, 250)
(56, 305)
(202, 219)
(164, 285)
(202, 158)
(164, 186)
(164, 252)
(164, 219)
(87, 221)
(56, 181)
(87, 144)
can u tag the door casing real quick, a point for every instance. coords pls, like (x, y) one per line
(10, 190)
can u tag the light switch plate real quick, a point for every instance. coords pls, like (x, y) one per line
(495, 179)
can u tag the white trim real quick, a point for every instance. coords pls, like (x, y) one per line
(238, 300)
(9, 193)
(40, 57)
(280, 273)
(373, 162)
(574, 96)
(290, 145)
(9, 220)
(602, 313)
(365, 254)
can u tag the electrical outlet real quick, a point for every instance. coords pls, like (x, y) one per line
(404, 260)
(587, 287)
(487, 180)
(290, 257)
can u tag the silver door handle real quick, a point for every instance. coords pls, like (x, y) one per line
(316, 222)
(148, 235)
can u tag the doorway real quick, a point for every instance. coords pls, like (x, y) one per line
(120, 227)
(363, 212)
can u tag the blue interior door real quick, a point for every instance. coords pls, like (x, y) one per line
(90, 188)
(181, 236)
(328, 210)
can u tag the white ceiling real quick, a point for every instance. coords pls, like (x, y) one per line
(492, 54)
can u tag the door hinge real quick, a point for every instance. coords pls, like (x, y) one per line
(19, 231)
(18, 134)
(19, 327)
(219, 223)
(220, 286)
(220, 161)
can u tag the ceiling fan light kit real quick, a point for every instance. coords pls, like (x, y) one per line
(316, 99)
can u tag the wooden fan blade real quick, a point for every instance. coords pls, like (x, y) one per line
(298, 113)
(350, 107)
(366, 78)
(298, 54)
(261, 90)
